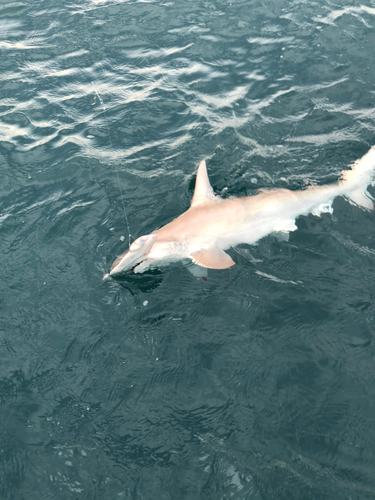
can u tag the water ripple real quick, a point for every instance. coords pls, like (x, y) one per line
(352, 11)
(255, 383)
(148, 53)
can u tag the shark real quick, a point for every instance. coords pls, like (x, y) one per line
(213, 224)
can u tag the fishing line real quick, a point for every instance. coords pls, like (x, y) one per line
(107, 127)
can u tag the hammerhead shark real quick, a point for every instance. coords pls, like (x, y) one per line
(212, 224)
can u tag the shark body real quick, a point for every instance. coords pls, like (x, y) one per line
(212, 224)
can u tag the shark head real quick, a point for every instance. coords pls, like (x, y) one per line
(137, 252)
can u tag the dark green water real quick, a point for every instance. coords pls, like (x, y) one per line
(258, 383)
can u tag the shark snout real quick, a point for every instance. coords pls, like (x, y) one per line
(137, 252)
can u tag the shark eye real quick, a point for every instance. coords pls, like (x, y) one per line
(137, 243)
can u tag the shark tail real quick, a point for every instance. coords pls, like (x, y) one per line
(356, 180)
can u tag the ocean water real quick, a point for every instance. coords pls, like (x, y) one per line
(257, 383)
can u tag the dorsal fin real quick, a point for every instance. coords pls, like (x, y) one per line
(203, 189)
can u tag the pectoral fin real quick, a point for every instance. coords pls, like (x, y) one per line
(213, 258)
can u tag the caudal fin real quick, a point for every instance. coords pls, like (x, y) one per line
(356, 180)
(362, 198)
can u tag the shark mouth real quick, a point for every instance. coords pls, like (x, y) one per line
(135, 256)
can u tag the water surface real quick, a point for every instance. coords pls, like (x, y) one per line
(257, 383)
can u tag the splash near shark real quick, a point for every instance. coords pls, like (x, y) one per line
(212, 224)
